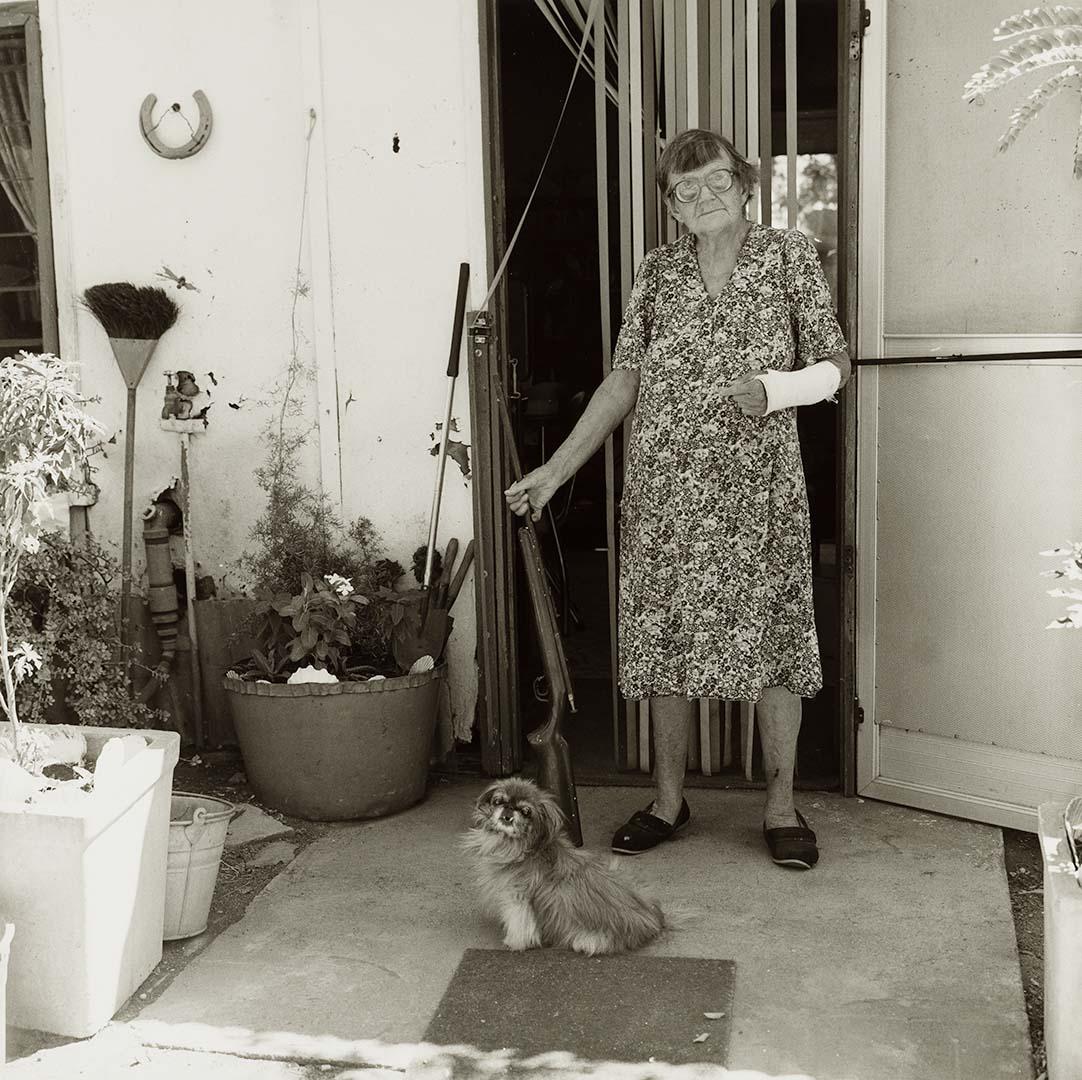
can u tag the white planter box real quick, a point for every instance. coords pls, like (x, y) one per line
(1062, 948)
(85, 889)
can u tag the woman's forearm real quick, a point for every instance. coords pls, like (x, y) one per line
(612, 401)
(844, 365)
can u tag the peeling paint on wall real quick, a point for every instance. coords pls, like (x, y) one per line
(457, 451)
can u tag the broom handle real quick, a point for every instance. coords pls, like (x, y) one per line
(125, 555)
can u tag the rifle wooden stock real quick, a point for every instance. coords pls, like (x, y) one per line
(553, 753)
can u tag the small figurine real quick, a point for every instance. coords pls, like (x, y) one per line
(171, 407)
(178, 395)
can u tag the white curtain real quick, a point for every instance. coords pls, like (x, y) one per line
(16, 164)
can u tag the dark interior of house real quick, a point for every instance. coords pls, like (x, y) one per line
(555, 361)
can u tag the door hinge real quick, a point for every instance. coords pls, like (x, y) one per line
(855, 38)
(859, 712)
(849, 560)
(479, 327)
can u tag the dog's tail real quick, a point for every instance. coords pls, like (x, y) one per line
(680, 916)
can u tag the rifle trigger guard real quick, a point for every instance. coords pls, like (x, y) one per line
(541, 688)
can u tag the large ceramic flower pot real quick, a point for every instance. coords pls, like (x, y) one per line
(85, 887)
(337, 751)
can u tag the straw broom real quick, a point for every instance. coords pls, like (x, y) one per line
(134, 317)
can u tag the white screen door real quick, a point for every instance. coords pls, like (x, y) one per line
(971, 706)
(966, 471)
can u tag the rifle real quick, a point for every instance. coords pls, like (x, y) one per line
(553, 754)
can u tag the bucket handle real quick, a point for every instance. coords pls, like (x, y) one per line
(195, 828)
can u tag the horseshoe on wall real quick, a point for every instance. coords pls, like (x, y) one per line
(193, 145)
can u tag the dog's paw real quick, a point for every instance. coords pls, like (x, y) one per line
(593, 943)
(520, 943)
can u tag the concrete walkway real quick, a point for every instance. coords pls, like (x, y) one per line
(894, 959)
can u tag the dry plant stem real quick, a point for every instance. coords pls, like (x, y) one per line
(294, 368)
(129, 499)
(189, 578)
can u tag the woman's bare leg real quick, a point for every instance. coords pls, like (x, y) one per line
(670, 718)
(778, 716)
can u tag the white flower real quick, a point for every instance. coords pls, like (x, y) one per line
(25, 660)
(31, 544)
(341, 585)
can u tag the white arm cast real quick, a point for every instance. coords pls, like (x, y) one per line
(785, 389)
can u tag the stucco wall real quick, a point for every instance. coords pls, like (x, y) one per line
(384, 234)
(975, 242)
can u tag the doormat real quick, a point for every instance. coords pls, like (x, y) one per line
(628, 1007)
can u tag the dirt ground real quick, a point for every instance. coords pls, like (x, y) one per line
(239, 881)
(1025, 878)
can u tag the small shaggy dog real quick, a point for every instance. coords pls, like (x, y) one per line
(543, 890)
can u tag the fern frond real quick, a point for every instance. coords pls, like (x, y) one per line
(1038, 19)
(1022, 58)
(1069, 78)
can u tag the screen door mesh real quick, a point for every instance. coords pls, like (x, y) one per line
(979, 469)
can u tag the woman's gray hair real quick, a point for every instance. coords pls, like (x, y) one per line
(696, 147)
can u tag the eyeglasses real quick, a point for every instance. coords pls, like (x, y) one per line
(687, 191)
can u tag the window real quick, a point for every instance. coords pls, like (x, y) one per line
(27, 286)
(817, 206)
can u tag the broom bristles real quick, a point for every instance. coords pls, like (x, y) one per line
(130, 311)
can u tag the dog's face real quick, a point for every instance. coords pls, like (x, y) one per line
(520, 811)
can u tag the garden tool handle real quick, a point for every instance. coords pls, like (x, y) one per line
(460, 576)
(445, 433)
(460, 316)
(444, 584)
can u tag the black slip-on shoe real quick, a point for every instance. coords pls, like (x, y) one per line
(644, 830)
(792, 846)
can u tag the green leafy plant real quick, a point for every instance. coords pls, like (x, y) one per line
(46, 438)
(64, 609)
(330, 626)
(1039, 38)
(315, 627)
(325, 590)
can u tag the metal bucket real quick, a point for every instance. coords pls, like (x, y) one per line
(197, 827)
(6, 932)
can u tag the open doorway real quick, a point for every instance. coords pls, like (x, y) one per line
(554, 353)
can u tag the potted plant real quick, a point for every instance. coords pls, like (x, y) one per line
(84, 814)
(335, 701)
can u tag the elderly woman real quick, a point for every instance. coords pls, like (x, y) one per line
(727, 330)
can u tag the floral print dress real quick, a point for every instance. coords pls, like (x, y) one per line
(715, 547)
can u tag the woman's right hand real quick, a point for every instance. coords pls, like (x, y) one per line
(533, 491)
